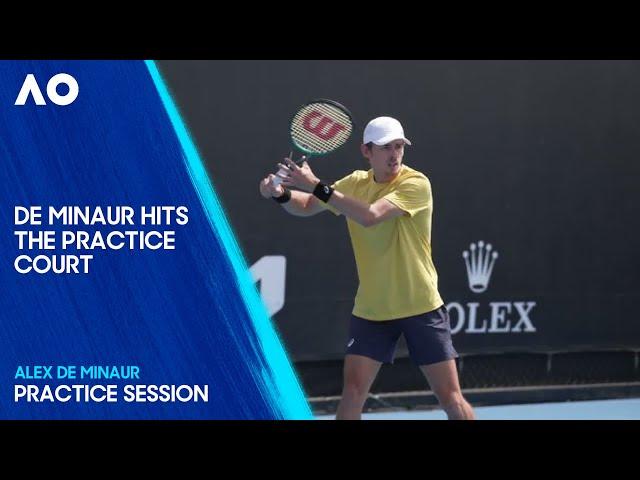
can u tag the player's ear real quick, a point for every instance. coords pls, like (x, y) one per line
(365, 150)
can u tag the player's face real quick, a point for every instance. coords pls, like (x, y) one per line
(386, 160)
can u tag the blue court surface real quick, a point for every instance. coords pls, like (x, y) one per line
(625, 409)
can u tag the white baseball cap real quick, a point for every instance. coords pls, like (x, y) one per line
(383, 130)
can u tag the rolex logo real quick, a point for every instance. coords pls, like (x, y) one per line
(490, 317)
(479, 261)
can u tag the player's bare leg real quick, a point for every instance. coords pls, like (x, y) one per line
(359, 374)
(443, 379)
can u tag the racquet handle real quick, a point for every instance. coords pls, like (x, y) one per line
(278, 180)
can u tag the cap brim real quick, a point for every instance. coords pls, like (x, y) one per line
(385, 140)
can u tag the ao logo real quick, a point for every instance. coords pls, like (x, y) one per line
(30, 86)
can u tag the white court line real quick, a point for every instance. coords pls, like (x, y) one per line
(625, 409)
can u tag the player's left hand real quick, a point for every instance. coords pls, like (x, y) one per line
(300, 177)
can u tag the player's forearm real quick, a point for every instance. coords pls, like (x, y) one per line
(358, 211)
(299, 204)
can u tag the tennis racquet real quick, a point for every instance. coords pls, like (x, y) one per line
(318, 128)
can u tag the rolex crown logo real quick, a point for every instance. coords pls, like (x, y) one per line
(479, 261)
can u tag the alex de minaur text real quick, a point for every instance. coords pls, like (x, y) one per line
(84, 392)
(78, 240)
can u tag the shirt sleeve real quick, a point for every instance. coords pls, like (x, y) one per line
(344, 186)
(412, 195)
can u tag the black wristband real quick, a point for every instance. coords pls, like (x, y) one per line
(323, 192)
(284, 198)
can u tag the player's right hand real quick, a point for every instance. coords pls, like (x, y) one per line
(268, 189)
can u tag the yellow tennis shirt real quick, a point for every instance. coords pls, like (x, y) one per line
(395, 269)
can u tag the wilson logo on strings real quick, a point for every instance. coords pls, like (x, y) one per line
(322, 126)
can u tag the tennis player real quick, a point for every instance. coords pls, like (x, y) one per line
(388, 210)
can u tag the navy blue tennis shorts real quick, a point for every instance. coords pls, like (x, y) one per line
(428, 337)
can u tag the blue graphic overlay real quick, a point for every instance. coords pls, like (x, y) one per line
(136, 331)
